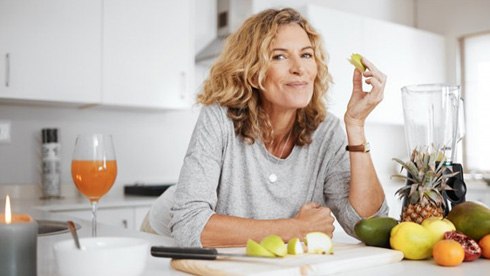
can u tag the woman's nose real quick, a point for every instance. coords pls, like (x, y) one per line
(296, 66)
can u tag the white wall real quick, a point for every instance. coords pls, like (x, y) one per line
(396, 11)
(453, 18)
(150, 145)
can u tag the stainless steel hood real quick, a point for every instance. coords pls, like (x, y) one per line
(230, 14)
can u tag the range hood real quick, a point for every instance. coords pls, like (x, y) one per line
(230, 14)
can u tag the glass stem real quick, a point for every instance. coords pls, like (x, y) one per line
(94, 218)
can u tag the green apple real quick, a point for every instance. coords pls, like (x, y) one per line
(437, 226)
(319, 243)
(295, 247)
(255, 249)
(275, 244)
(356, 60)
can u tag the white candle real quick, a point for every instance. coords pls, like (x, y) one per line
(18, 243)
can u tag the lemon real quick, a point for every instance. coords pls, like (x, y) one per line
(414, 240)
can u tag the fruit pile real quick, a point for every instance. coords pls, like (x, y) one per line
(274, 246)
(464, 235)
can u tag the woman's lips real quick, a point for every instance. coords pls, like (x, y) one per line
(297, 83)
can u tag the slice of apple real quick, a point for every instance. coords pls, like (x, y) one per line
(255, 249)
(356, 60)
(275, 244)
(319, 243)
(295, 247)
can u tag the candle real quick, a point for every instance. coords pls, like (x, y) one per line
(18, 243)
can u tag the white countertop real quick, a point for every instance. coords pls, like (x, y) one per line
(161, 266)
(39, 209)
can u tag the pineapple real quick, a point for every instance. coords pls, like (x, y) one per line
(426, 182)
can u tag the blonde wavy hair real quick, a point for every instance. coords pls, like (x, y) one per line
(237, 77)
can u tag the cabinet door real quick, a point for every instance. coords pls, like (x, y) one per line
(147, 53)
(120, 217)
(50, 50)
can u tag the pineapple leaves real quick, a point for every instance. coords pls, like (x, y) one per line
(427, 175)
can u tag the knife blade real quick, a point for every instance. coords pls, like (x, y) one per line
(195, 253)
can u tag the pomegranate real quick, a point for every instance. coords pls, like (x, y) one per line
(471, 249)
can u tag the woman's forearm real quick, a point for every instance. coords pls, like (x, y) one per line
(229, 231)
(366, 194)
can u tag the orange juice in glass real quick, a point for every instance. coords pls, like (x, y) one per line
(94, 169)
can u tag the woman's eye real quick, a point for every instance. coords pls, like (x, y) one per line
(278, 57)
(307, 55)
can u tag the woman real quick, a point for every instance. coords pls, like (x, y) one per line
(265, 157)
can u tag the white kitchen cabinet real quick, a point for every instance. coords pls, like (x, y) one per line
(147, 53)
(123, 217)
(406, 55)
(50, 50)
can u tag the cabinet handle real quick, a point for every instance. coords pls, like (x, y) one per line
(125, 223)
(7, 69)
(183, 85)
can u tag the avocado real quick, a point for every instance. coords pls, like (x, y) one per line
(375, 231)
(471, 218)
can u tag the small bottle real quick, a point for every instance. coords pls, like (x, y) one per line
(51, 176)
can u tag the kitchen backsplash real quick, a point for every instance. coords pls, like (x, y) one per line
(150, 145)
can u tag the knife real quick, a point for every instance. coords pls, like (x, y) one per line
(195, 253)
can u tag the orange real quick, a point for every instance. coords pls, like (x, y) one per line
(484, 243)
(448, 253)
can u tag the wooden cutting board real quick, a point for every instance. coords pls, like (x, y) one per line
(347, 257)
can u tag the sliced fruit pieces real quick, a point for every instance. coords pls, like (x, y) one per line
(255, 249)
(275, 244)
(319, 243)
(356, 60)
(295, 247)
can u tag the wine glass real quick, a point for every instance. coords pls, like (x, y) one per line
(94, 168)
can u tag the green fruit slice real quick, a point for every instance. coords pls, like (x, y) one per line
(275, 244)
(356, 60)
(318, 243)
(295, 247)
(375, 231)
(255, 249)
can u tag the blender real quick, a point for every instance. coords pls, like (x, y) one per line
(433, 115)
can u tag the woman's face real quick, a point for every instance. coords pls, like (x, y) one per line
(291, 75)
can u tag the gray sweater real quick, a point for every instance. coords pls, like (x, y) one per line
(222, 174)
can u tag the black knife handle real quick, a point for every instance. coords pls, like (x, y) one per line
(195, 253)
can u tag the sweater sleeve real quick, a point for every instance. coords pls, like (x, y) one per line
(195, 195)
(337, 185)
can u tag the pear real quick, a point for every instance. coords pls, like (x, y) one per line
(356, 60)
(319, 243)
(275, 244)
(255, 249)
(295, 247)
(438, 226)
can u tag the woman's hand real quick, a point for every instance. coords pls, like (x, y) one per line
(362, 102)
(314, 218)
